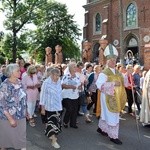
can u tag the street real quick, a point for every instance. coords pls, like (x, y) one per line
(86, 137)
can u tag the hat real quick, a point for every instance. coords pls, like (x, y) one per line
(110, 52)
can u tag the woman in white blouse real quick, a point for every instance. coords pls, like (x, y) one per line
(51, 102)
(71, 84)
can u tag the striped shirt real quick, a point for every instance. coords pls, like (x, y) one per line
(51, 95)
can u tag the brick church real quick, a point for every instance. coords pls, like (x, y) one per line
(123, 23)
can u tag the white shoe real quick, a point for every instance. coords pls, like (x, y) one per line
(56, 145)
(122, 118)
(34, 115)
(137, 117)
(143, 124)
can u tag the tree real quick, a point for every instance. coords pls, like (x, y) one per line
(8, 42)
(18, 14)
(56, 26)
(53, 26)
(2, 59)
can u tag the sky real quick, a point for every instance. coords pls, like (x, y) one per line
(74, 7)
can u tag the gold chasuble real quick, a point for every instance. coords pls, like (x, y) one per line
(117, 102)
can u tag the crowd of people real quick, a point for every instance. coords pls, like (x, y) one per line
(63, 91)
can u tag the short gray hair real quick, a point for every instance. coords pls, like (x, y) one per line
(10, 69)
(48, 71)
(71, 65)
(55, 71)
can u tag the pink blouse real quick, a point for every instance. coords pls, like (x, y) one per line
(32, 94)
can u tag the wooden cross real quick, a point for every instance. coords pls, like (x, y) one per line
(144, 12)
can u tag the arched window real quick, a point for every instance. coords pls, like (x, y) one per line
(131, 15)
(96, 53)
(97, 22)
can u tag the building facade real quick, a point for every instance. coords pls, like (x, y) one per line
(124, 23)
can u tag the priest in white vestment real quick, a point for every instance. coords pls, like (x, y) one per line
(113, 96)
(145, 108)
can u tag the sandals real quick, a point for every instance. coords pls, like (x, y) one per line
(88, 120)
(31, 122)
(132, 114)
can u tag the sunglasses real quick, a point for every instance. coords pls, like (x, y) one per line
(33, 72)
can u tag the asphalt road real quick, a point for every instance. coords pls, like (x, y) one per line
(86, 137)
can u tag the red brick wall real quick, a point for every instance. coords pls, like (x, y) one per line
(114, 22)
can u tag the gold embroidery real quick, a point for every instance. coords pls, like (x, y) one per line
(117, 102)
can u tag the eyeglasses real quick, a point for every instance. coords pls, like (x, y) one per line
(57, 75)
(33, 72)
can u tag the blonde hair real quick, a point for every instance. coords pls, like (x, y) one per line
(96, 66)
(31, 69)
(137, 67)
(129, 67)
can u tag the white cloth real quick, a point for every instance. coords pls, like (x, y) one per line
(145, 108)
(141, 82)
(111, 118)
(82, 78)
(31, 108)
(112, 131)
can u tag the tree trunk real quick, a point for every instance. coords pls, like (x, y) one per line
(14, 46)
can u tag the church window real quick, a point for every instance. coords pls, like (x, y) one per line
(97, 23)
(131, 15)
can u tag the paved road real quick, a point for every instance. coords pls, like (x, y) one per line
(86, 137)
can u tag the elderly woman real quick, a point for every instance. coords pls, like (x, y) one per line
(51, 102)
(91, 87)
(12, 110)
(46, 75)
(129, 84)
(31, 84)
(71, 84)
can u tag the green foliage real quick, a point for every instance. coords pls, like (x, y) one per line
(18, 14)
(53, 26)
(56, 26)
(7, 45)
(2, 59)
